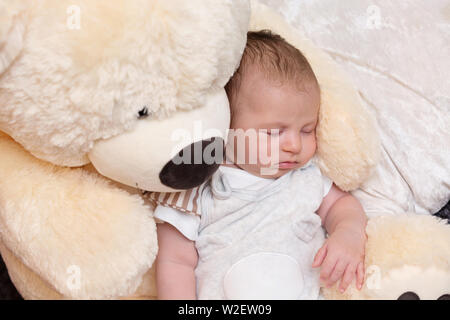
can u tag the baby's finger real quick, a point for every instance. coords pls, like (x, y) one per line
(320, 255)
(360, 275)
(337, 273)
(348, 277)
(327, 268)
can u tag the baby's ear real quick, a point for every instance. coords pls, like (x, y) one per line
(12, 30)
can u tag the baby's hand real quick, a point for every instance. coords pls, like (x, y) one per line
(342, 257)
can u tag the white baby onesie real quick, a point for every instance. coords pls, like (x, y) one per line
(256, 238)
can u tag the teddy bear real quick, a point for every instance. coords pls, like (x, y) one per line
(87, 232)
(98, 100)
(107, 87)
(407, 258)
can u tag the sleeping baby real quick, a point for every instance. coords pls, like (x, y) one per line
(257, 228)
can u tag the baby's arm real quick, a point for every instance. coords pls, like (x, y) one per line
(342, 255)
(175, 265)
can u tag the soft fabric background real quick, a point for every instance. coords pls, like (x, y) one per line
(397, 53)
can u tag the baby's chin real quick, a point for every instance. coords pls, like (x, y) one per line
(268, 172)
(274, 172)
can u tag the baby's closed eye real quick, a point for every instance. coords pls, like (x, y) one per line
(273, 132)
(309, 128)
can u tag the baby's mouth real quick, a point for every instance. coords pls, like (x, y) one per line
(287, 164)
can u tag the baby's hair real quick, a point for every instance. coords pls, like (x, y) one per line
(275, 57)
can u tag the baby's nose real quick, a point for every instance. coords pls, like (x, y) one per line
(292, 144)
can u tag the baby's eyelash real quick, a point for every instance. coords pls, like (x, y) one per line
(273, 131)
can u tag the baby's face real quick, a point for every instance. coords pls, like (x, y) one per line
(283, 120)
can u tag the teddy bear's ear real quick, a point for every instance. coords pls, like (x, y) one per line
(12, 30)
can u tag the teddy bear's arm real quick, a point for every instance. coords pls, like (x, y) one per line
(78, 233)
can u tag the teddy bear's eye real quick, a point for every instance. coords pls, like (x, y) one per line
(143, 113)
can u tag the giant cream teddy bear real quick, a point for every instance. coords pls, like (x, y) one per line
(117, 88)
(112, 86)
(109, 86)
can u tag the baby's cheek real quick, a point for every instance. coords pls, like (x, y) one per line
(310, 147)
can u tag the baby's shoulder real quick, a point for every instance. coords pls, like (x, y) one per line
(309, 169)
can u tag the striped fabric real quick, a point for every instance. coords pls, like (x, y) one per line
(185, 201)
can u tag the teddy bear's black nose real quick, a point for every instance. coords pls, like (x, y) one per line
(194, 164)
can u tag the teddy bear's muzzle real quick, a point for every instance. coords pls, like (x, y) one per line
(193, 164)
